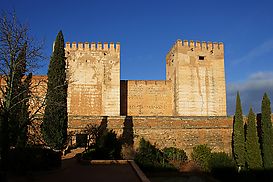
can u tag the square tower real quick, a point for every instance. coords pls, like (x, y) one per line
(198, 76)
(94, 79)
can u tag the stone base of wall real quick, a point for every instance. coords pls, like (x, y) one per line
(180, 132)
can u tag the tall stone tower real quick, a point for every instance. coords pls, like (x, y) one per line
(198, 77)
(94, 79)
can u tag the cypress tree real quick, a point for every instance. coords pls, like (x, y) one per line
(253, 152)
(238, 134)
(23, 118)
(54, 127)
(266, 134)
(20, 93)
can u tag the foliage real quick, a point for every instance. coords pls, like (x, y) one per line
(266, 134)
(106, 146)
(54, 127)
(128, 152)
(92, 132)
(33, 158)
(149, 158)
(19, 55)
(253, 152)
(238, 137)
(201, 154)
(175, 154)
(221, 161)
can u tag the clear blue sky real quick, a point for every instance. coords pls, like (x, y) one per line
(147, 30)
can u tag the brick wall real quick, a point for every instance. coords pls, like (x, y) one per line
(180, 132)
(146, 98)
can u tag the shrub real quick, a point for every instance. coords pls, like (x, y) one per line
(149, 158)
(201, 154)
(106, 146)
(221, 160)
(128, 152)
(222, 166)
(175, 154)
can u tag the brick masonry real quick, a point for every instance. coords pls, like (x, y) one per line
(180, 132)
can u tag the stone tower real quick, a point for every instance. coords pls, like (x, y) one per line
(94, 79)
(198, 77)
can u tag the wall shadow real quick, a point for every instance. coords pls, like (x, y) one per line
(127, 136)
(103, 125)
(123, 97)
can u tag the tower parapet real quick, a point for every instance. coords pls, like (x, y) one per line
(94, 46)
(218, 47)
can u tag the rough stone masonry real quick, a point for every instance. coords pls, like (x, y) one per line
(186, 109)
(194, 85)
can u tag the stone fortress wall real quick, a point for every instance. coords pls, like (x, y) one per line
(166, 131)
(194, 85)
(146, 98)
(186, 109)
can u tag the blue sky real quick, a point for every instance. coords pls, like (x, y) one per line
(147, 29)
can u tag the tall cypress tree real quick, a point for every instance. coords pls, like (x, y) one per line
(20, 93)
(238, 134)
(54, 127)
(23, 119)
(266, 134)
(253, 152)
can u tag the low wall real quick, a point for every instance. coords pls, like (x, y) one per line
(180, 132)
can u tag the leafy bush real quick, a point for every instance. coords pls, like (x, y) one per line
(33, 158)
(149, 158)
(175, 154)
(201, 154)
(221, 160)
(128, 152)
(222, 166)
(215, 162)
(106, 146)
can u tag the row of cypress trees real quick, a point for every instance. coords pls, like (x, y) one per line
(253, 142)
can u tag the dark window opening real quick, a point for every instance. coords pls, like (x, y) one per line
(201, 58)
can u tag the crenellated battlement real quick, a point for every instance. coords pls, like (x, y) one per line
(198, 45)
(150, 82)
(93, 46)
